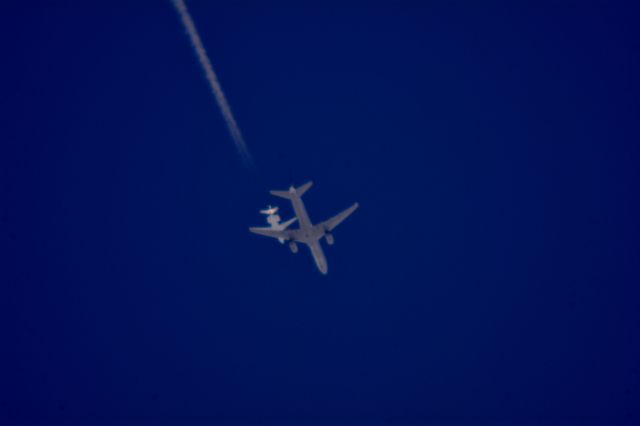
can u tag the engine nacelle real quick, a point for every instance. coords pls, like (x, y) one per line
(329, 238)
(293, 246)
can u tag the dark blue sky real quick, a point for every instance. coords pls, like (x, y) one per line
(490, 275)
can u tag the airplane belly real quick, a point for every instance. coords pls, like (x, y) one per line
(306, 233)
(301, 213)
(319, 258)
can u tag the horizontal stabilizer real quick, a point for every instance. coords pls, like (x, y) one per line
(288, 194)
(286, 224)
(281, 194)
(304, 188)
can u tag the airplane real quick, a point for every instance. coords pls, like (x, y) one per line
(273, 219)
(270, 210)
(307, 233)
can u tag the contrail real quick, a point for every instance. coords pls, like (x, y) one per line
(216, 89)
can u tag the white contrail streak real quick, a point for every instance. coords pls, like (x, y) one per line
(216, 89)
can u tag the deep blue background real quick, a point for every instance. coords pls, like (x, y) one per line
(490, 275)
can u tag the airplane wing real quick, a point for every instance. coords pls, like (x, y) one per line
(330, 224)
(268, 232)
(285, 234)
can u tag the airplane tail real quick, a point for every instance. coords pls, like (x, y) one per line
(289, 194)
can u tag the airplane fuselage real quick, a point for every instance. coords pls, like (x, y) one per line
(309, 235)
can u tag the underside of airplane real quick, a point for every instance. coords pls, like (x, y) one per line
(307, 233)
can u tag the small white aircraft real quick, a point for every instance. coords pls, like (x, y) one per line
(270, 210)
(273, 220)
(307, 233)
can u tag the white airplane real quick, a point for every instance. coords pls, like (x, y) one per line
(307, 233)
(270, 210)
(273, 220)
